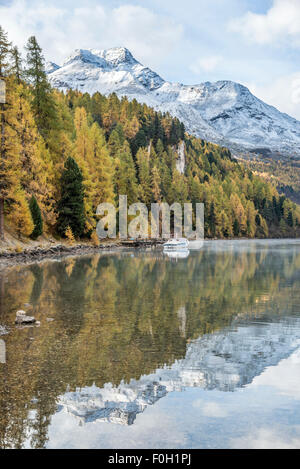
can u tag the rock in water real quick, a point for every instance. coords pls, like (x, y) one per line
(3, 331)
(22, 318)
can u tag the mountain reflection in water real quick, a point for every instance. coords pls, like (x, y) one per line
(224, 361)
(129, 328)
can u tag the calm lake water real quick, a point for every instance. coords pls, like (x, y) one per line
(141, 350)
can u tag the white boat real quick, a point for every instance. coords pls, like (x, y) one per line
(176, 244)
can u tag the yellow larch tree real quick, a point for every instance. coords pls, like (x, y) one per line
(238, 212)
(20, 215)
(101, 166)
(37, 175)
(10, 150)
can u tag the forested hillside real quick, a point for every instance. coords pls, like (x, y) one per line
(63, 154)
(282, 172)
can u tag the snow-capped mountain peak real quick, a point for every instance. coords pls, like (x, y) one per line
(116, 56)
(107, 71)
(102, 58)
(83, 56)
(223, 112)
(51, 67)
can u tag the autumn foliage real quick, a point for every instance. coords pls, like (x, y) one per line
(73, 151)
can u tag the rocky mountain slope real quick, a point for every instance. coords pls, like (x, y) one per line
(224, 112)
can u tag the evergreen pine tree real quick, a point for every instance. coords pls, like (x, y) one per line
(43, 104)
(139, 141)
(173, 134)
(71, 205)
(290, 219)
(236, 227)
(16, 64)
(212, 220)
(5, 50)
(36, 218)
(158, 131)
(182, 131)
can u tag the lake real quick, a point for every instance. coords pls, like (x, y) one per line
(138, 349)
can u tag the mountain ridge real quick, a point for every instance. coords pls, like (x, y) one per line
(223, 112)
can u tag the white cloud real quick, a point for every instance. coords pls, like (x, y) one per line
(205, 64)
(280, 23)
(283, 93)
(210, 409)
(267, 438)
(60, 30)
(284, 377)
(167, 38)
(65, 432)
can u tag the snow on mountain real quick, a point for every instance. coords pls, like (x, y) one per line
(105, 71)
(225, 360)
(223, 112)
(51, 67)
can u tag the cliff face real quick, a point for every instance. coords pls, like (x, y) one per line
(180, 163)
(224, 360)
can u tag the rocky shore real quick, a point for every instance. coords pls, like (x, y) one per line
(30, 255)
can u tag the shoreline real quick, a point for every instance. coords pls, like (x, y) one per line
(36, 254)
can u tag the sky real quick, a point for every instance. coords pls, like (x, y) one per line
(253, 42)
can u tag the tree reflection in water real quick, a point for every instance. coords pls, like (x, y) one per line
(121, 316)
